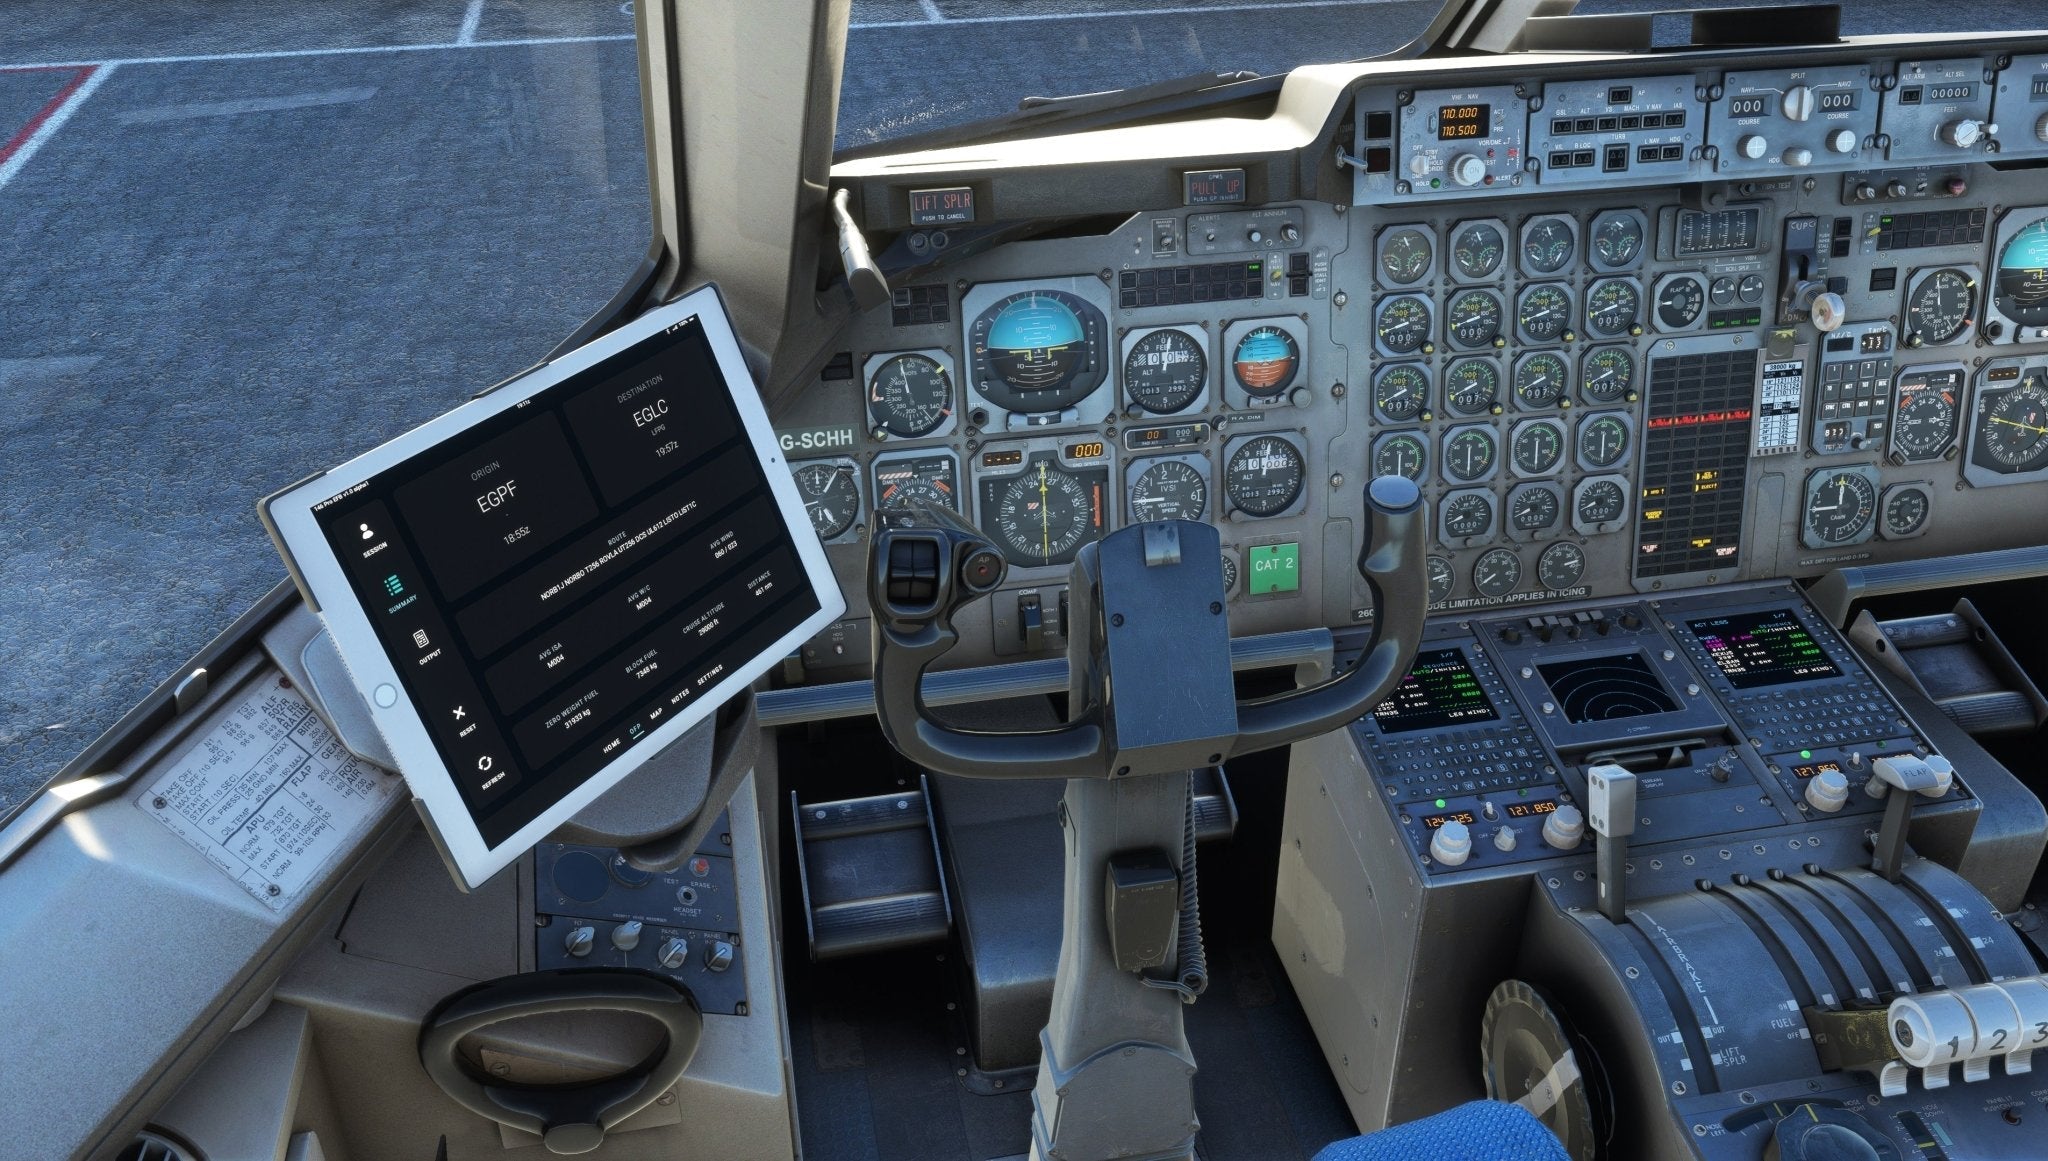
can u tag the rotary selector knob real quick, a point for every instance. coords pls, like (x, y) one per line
(1468, 169)
(672, 954)
(1798, 156)
(626, 936)
(1254, 235)
(1828, 311)
(1827, 791)
(1451, 845)
(2041, 128)
(1290, 233)
(1752, 146)
(1842, 141)
(1565, 827)
(1966, 132)
(1798, 103)
(1504, 839)
(718, 956)
(580, 940)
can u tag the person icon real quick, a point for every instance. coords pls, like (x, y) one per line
(367, 534)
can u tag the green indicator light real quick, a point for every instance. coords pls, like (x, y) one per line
(1806, 753)
(1436, 183)
(1440, 804)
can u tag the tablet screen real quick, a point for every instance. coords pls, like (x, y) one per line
(555, 583)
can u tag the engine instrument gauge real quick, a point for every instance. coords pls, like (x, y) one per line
(1037, 350)
(1477, 249)
(1840, 503)
(1402, 323)
(1543, 312)
(1401, 453)
(1534, 507)
(1598, 505)
(1617, 239)
(1613, 306)
(1169, 489)
(903, 482)
(1496, 573)
(1229, 572)
(910, 395)
(1165, 370)
(1606, 374)
(1469, 454)
(1924, 415)
(1941, 305)
(1906, 508)
(1400, 391)
(831, 493)
(1044, 514)
(1472, 386)
(1603, 441)
(1264, 476)
(1405, 253)
(1537, 447)
(1467, 515)
(2011, 434)
(1548, 244)
(1561, 566)
(1472, 320)
(1265, 361)
(1540, 380)
(1680, 299)
(1442, 579)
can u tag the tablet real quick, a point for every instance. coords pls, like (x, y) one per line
(539, 590)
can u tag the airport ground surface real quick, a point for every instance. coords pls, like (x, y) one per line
(242, 241)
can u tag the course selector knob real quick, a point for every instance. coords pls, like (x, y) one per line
(1752, 146)
(1451, 845)
(626, 936)
(1842, 141)
(1468, 169)
(672, 954)
(580, 940)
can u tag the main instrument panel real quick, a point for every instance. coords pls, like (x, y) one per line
(1633, 332)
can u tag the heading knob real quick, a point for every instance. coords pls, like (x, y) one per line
(1468, 169)
(1798, 156)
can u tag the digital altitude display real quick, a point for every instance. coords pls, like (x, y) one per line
(1768, 648)
(1440, 690)
(1463, 122)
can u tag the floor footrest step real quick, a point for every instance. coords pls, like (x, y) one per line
(871, 875)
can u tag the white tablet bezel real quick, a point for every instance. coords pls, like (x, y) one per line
(289, 515)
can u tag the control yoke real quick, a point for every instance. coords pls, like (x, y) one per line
(1148, 598)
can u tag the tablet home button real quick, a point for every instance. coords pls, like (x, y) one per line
(387, 696)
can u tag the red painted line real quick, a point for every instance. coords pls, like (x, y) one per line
(14, 143)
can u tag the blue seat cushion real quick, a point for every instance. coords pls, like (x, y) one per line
(1480, 1131)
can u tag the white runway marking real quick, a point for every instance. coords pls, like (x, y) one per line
(280, 54)
(51, 123)
(1108, 13)
(246, 105)
(470, 20)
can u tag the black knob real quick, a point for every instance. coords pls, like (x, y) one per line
(1511, 635)
(1630, 621)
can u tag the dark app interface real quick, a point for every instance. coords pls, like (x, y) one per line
(560, 580)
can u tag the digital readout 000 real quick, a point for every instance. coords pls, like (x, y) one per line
(1463, 122)
(1084, 451)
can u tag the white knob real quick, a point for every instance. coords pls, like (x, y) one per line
(1451, 845)
(718, 956)
(1844, 141)
(580, 940)
(672, 954)
(1963, 133)
(1468, 169)
(1797, 103)
(1504, 839)
(1565, 827)
(1753, 146)
(1828, 311)
(1798, 155)
(626, 936)
(2041, 128)
(1827, 791)
(1944, 775)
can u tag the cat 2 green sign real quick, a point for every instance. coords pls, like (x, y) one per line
(1275, 568)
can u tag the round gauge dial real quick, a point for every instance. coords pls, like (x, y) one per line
(1473, 319)
(1561, 566)
(902, 485)
(1467, 514)
(1679, 302)
(1612, 307)
(1045, 514)
(1547, 245)
(1543, 312)
(1533, 507)
(2012, 429)
(1477, 249)
(1404, 255)
(1471, 386)
(1839, 508)
(1940, 306)
(1540, 380)
(831, 498)
(910, 395)
(1598, 502)
(1400, 454)
(1537, 448)
(1402, 323)
(1496, 573)
(1165, 370)
(1603, 440)
(1617, 239)
(1169, 490)
(1400, 391)
(1469, 454)
(1037, 350)
(1229, 572)
(1442, 579)
(1905, 513)
(1924, 418)
(2022, 286)
(1607, 373)
(1265, 361)
(1264, 476)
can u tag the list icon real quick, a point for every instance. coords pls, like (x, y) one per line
(393, 585)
